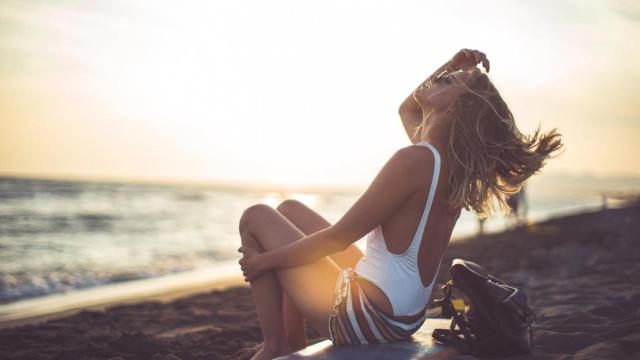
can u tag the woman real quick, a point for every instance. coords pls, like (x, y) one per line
(467, 153)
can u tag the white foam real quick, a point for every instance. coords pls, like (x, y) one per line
(112, 293)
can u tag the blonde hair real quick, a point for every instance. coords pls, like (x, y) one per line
(490, 158)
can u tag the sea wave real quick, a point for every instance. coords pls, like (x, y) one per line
(57, 236)
(31, 222)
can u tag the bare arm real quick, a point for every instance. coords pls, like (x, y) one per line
(411, 113)
(391, 187)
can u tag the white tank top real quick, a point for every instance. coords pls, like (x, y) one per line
(397, 275)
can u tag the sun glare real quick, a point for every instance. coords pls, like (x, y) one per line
(237, 91)
(272, 199)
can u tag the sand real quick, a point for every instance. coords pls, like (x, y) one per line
(580, 273)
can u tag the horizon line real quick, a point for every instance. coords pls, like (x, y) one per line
(244, 185)
(231, 184)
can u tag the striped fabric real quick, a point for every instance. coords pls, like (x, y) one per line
(356, 321)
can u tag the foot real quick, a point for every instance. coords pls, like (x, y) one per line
(268, 352)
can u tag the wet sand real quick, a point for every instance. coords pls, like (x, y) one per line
(580, 273)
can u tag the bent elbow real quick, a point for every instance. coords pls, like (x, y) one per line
(406, 113)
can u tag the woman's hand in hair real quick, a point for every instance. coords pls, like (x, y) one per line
(467, 59)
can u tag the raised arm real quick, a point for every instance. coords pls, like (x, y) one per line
(411, 113)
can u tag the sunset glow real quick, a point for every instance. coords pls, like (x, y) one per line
(295, 92)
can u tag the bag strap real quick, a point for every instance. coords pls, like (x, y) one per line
(452, 338)
(460, 338)
(445, 301)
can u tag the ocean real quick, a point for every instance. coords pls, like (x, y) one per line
(57, 236)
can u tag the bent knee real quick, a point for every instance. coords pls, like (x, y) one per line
(290, 205)
(253, 214)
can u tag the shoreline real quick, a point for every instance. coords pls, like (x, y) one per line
(169, 286)
(576, 271)
(163, 288)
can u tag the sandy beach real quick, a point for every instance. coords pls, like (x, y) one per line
(579, 273)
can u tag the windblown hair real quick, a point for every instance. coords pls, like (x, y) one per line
(490, 158)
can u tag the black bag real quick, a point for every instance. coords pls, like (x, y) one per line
(497, 321)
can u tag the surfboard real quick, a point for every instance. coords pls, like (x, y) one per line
(420, 346)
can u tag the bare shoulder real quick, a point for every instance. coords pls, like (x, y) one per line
(417, 157)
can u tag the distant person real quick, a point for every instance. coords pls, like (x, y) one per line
(481, 220)
(518, 208)
(467, 150)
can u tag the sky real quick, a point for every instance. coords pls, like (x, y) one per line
(297, 92)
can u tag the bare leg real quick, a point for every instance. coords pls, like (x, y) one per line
(293, 325)
(267, 295)
(308, 221)
(309, 287)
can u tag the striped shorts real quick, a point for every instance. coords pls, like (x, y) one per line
(356, 320)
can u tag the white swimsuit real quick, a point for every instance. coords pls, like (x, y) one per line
(397, 274)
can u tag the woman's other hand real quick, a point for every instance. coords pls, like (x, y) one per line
(251, 263)
(467, 59)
